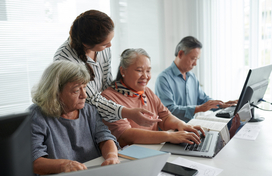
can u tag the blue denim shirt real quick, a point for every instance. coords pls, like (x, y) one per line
(178, 95)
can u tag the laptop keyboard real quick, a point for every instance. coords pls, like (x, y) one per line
(203, 146)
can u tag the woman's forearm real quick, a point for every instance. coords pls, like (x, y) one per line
(108, 149)
(109, 152)
(44, 166)
(171, 122)
(142, 136)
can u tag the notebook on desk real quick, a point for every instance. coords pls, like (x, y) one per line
(150, 166)
(210, 145)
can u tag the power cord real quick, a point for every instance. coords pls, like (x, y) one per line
(259, 107)
(264, 101)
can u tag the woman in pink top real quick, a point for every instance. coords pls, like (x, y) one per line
(130, 90)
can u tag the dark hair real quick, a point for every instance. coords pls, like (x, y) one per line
(128, 57)
(90, 28)
(187, 44)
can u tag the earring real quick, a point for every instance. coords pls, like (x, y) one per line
(123, 75)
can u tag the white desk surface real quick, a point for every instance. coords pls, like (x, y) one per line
(238, 157)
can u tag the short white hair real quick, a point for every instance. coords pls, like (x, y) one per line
(128, 57)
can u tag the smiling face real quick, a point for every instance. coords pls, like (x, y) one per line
(73, 96)
(138, 74)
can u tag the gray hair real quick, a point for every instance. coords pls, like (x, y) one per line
(46, 93)
(187, 44)
(128, 57)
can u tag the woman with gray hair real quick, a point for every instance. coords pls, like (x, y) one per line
(66, 131)
(130, 90)
(89, 44)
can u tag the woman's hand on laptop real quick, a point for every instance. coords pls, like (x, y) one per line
(183, 137)
(184, 132)
(189, 128)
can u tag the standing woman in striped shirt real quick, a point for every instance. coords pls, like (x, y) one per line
(89, 43)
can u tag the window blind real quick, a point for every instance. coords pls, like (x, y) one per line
(30, 33)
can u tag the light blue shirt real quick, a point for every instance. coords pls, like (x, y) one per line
(178, 95)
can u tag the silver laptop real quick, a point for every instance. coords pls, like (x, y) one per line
(210, 145)
(150, 166)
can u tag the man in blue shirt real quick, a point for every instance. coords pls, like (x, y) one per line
(179, 89)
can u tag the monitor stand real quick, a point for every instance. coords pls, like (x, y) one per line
(255, 117)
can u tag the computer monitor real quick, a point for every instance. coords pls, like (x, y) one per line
(254, 89)
(15, 145)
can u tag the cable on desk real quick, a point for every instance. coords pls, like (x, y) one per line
(259, 107)
(264, 101)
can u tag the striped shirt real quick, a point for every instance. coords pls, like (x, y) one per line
(109, 110)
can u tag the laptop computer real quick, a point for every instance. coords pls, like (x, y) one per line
(15, 145)
(150, 166)
(210, 145)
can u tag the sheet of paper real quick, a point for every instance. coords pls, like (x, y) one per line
(203, 170)
(249, 131)
(213, 118)
(215, 126)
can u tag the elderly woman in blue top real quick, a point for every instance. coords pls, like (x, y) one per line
(66, 131)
